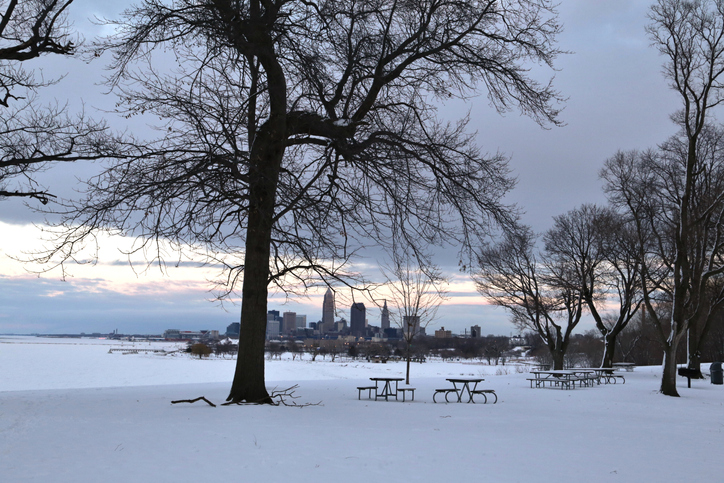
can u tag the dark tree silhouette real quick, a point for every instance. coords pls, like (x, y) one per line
(541, 293)
(648, 188)
(690, 35)
(32, 135)
(599, 249)
(298, 132)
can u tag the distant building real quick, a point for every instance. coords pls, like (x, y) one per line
(385, 318)
(357, 320)
(443, 334)
(172, 334)
(232, 330)
(392, 333)
(411, 326)
(475, 331)
(272, 329)
(301, 321)
(327, 312)
(289, 323)
(517, 340)
(175, 334)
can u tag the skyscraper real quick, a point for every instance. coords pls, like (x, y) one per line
(289, 323)
(385, 318)
(357, 320)
(327, 311)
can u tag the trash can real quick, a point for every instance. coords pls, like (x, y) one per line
(717, 375)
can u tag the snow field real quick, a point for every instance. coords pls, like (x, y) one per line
(67, 423)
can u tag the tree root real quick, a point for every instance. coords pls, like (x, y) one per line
(281, 397)
(285, 397)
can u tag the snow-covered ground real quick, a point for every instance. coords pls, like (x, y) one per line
(70, 411)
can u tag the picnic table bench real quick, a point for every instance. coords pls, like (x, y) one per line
(444, 391)
(366, 388)
(485, 393)
(406, 389)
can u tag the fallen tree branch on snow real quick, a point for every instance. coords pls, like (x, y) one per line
(202, 398)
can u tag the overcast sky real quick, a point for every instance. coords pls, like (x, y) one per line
(617, 99)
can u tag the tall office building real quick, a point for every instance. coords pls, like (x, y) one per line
(328, 312)
(289, 323)
(232, 330)
(385, 318)
(272, 329)
(357, 320)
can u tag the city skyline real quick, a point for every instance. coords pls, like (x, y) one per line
(617, 99)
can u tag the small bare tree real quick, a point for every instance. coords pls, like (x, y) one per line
(200, 349)
(599, 248)
(417, 289)
(540, 293)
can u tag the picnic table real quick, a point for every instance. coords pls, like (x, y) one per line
(563, 378)
(387, 391)
(606, 374)
(462, 386)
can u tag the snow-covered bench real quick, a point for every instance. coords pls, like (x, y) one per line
(405, 390)
(366, 388)
(445, 391)
(485, 393)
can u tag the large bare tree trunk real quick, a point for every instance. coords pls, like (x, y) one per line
(248, 384)
(609, 349)
(558, 358)
(668, 378)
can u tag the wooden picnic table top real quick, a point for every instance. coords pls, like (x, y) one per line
(464, 379)
(563, 372)
(387, 378)
(554, 371)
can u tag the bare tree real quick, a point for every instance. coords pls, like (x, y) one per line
(540, 293)
(649, 187)
(690, 35)
(600, 251)
(32, 135)
(298, 132)
(416, 291)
